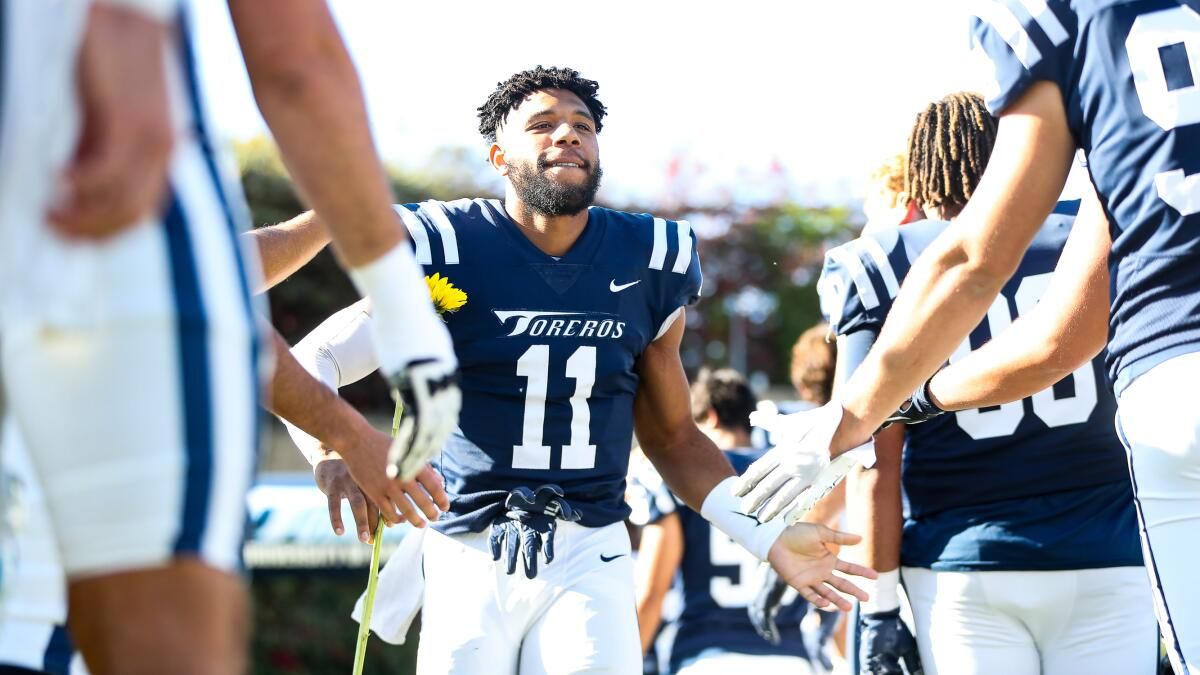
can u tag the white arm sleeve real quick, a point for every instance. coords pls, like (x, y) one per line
(338, 352)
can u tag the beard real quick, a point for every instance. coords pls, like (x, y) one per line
(543, 195)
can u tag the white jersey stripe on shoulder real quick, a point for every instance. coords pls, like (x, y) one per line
(873, 249)
(1000, 16)
(437, 213)
(1046, 20)
(658, 255)
(416, 230)
(684, 259)
(866, 290)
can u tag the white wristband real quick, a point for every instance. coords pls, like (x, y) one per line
(723, 510)
(884, 592)
(159, 10)
(404, 326)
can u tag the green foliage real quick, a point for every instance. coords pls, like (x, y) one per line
(321, 287)
(760, 274)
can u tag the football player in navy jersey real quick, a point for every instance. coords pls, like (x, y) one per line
(1116, 78)
(718, 577)
(569, 339)
(1019, 547)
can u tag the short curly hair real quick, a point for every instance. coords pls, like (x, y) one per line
(725, 392)
(509, 94)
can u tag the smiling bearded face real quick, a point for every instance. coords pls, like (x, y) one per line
(547, 195)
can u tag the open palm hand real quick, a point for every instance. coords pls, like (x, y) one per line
(803, 559)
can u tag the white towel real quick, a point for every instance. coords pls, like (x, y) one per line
(400, 593)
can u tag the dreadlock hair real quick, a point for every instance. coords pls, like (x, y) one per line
(948, 150)
(509, 94)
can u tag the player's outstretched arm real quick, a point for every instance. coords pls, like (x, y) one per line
(950, 287)
(1066, 329)
(286, 247)
(118, 173)
(310, 96)
(702, 477)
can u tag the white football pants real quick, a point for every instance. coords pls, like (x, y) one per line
(1158, 417)
(1098, 622)
(576, 616)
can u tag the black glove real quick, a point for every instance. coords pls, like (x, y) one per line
(529, 526)
(765, 606)
(918, 408)
(886, 646)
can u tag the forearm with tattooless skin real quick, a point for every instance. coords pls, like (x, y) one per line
(688, 461)
(285, 248)
(299, 398)
(659, 556)
(950, 287)
(310, 96)
(1065, 330)
(873, 506)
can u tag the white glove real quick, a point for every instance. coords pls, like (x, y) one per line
(431, 397)
(798, 460)
(416, 357)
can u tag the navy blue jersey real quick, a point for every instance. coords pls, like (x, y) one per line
(719, 577)
(547, 349)
(1012, 486)
(1127, 72)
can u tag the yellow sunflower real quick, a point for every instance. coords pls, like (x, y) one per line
(447, 298)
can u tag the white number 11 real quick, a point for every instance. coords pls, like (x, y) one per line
(534, 366)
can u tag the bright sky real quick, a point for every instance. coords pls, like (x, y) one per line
(822, 90)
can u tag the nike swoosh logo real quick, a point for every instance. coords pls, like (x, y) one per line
(606, 558)
(612, 285)
(757, 522)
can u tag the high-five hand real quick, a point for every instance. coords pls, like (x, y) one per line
(802, 558)
(800, 456)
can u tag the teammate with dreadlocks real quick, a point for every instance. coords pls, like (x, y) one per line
(1019, 550)
(570, 332)
(948, 149)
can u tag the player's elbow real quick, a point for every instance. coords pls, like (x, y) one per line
(1068, 350)
(970, 268)
(985, 273)
(296, 79)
